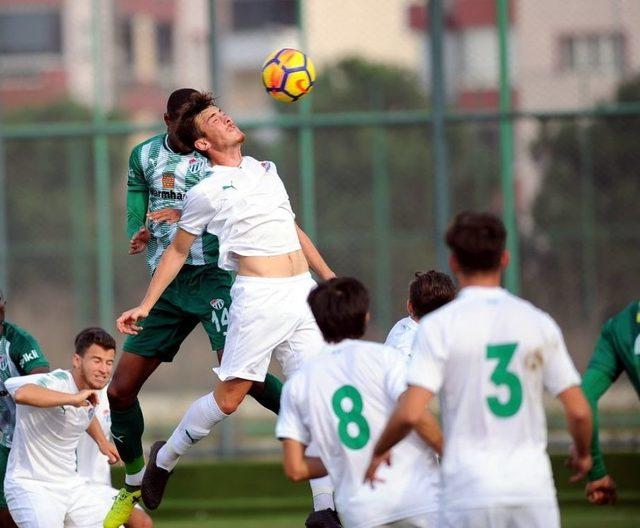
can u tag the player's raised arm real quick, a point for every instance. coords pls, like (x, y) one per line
(170, 264)
(311, 253)
(38, 396)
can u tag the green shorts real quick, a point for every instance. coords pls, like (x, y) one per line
(4, 456)
(199, 294)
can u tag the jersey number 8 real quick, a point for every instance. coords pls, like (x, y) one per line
(353, 429)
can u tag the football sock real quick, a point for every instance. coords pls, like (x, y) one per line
(269, 398)
(134, 481)
(322, 491)
(197, 423)
(127, 427)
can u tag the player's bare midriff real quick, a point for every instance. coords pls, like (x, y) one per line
(273, 266)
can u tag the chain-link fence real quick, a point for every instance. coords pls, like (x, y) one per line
(374, 163)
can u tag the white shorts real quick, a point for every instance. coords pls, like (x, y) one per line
(269, 316)
(428, 520)
(533, 516)
(35, 504)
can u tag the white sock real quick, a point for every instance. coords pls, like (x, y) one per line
(197, 423)
(322, 491)
(135, 479)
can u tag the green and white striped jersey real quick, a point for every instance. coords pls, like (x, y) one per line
(20, 353)
(153, 166)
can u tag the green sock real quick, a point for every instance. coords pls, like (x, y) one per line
(127, 427)
(270, 397)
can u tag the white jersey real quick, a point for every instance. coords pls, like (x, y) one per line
(45, 439)
(489, 355)
(246, 207)
(401, 335)
(93, 466)
(341, 400)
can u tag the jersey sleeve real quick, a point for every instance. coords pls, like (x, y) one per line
(26, 353)
(56, 380)
(604, 368)
(395, 380)
(430, 354)
(559, 372)
(196, 212)
(135, 176)
(290, 422)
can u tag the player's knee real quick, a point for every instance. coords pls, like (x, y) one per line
(119, 397)
(229, 403)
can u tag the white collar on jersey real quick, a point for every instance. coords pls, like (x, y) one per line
(482, 291)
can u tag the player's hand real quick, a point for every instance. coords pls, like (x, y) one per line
(168, 215)
(370, 475)
(580, 465)
(85, 398)
(110, 451)
(139, 241)
(602, 491)
(126, 323)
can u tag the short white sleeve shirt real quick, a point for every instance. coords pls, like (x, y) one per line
(246, 207)
(489, 355)
(402, 334)
(45, 439)
(93, 466)
(341, 401)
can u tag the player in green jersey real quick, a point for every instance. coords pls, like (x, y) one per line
(20, 354)
(161, 171)
(617, 351)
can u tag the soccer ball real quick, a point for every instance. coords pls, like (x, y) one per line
(288, 75)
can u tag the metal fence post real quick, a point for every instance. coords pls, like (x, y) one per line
(512, 274)
(439, 139)
(587, 221)
(4, 228)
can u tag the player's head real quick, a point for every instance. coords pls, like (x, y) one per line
(95, 351)
(428, 291)
(202, 126)
(174, 104)
(3, 304)
(477, 242)
(341, 308)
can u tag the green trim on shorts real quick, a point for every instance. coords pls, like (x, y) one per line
(4, 456)
(198, 295)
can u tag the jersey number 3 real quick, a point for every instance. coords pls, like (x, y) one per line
(501, 376)
(353, 429)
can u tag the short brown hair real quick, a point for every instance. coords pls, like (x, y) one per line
(340, 307)
(94, 336)
(430, 290)
(477, 240)
(185, 126)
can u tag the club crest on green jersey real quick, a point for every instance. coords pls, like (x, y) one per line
(217, 304)
(195, 165)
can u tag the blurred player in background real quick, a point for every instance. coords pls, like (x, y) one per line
(428, 291)
(54, 410)
(341, 400)
(161, 171)
(20, 354)
(617, 351)
(245, 204)
(488, 354)
(93, 466)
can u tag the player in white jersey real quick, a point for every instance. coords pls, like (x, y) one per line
(489, 355)
(428, 291)
(54, 410)
(93, 466)
(341, 401)
(245, 204)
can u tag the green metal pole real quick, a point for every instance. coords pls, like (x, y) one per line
(512, 275)
(214, 55)
(4, 235)
(306, 152)
(438, 127)
(104, 250)
(381, 226)
(77, 166)
(587, 222)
